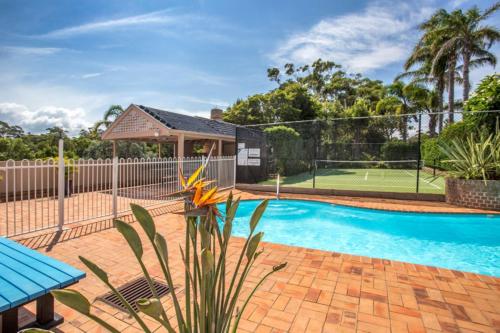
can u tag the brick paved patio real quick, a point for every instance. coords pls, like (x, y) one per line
(318, 291)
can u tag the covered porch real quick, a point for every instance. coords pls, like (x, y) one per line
(187, 135)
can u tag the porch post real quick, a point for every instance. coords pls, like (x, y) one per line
(180, 153)
(220, 182)
(180, 145)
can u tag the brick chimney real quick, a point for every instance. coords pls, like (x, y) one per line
(216, 114)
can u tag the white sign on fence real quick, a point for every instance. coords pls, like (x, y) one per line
(254, 161)
(243, 156)
(254, 152)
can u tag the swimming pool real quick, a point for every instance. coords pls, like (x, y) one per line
(466, 242)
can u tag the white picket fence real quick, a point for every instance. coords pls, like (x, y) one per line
(30, 199)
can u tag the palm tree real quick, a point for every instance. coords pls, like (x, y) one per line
(399, 90)
(418, 68)
(468, 39)
(431, 104)
(113, 112)
(424, 100)
(436, 34)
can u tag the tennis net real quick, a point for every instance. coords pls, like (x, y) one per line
(397, 164)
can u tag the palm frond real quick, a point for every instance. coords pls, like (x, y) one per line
(113, 111)
(489, 11)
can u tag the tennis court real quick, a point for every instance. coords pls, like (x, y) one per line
(366, 179)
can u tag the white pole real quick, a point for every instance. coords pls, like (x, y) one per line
(60, 185)
(278, 187)
(234, 166)
(114, 186)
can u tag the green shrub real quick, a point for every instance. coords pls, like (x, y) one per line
(15, 148)
(287, 150)
(485, 97)
(456, 131)
(431, 153)
(399, 150)
(477, 157)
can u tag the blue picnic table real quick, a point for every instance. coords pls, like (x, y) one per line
(27, 275)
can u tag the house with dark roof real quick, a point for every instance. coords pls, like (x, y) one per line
(146, 124)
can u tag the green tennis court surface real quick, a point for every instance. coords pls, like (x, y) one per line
(372, 179)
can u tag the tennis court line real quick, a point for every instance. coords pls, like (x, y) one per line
(425, 180)
(366, 176)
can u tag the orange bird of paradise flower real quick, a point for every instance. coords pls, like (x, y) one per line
(200, 198)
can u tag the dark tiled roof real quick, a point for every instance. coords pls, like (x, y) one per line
(188, 123)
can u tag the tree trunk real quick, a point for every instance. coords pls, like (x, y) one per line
(403, 125)
(465, 74)
(451, 91)
(440, 91)
(432, 124)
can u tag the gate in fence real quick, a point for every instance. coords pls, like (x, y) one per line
(42, 194)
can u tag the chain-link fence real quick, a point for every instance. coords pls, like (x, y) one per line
(391, 153)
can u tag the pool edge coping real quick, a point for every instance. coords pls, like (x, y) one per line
(335, 200)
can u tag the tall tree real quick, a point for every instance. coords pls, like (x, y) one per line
(8, 131)
(113, 112)
(469, 39)
(436, 33)
(428, 63)
(402, 92)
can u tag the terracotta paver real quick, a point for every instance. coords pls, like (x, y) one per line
(318, 291)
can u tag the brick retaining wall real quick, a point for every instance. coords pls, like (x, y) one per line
(473, 193)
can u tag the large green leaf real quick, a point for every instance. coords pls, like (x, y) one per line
(150, 306)
(229, 201)
(101, 274)
(131, 236)
(161, 245)
(207, 261)
(226, 231)
(232, 211)
(253, 244)
(72, 299)
(145, 220)
(257, 214)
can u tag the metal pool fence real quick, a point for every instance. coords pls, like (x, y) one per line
(386, 153)
(42, 194)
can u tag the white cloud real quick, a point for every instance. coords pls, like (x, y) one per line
(381, 34)
(91, 75)
(27, 51)
(40, 100)
(37, 120)
(205, 101)
(157, 17)
(190, 112)
(458, 3)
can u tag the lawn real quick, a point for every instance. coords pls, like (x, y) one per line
(384, 180)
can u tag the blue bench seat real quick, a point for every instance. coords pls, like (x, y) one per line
(27, 275)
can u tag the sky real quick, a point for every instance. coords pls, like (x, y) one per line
(63, 62)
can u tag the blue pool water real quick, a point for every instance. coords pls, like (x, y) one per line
(466, 242)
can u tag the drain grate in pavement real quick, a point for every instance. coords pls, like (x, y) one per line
(133, 291)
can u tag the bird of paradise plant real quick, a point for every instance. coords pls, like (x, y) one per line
(211, 295)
